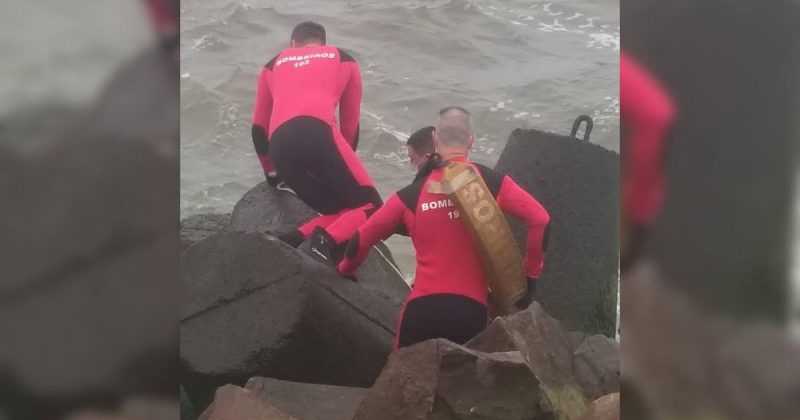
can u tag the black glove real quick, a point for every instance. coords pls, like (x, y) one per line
(530, 296)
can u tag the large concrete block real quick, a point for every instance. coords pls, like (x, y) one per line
(578, 183)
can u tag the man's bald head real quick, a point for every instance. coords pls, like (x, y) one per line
(454, 127)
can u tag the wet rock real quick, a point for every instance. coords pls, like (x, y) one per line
(437, 379)
(200, 226)
(596, 364)
(133, 409)
(266, 209)
(682, 361)
(232, 402)
(547, 349)
(578, 183)
(253, 306)
(603, 408)
(308, 401)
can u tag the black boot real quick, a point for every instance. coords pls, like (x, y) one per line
(325, 249)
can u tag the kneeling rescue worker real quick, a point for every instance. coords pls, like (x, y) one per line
(296, 135)
(450, 293)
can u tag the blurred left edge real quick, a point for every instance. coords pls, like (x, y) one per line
(89, 133)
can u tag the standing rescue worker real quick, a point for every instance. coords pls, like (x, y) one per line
(450, 294)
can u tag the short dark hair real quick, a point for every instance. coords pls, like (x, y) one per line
(307, 31)
(447, 109)
(422, 141)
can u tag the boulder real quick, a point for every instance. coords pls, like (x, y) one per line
(594, 360)
(200, 226)
(547, 349)
(437, 379)
(254, 306)
(266, 209)
(134, 408)
(683, 361)
(603, 408)
(578, 183)
(596, 364)
(308, 401)
(232, 403)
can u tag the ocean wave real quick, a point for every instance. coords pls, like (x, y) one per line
(210, 42)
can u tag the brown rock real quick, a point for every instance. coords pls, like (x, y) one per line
(557, 358)
(438, 379)
(308, 401)
(234, 403)
(603, 408)
(596, 364)
(682, 361)
(133, 409)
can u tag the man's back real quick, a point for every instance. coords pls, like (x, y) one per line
(448, 260)
(310, 81)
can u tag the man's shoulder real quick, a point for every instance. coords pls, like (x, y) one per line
(492, 178)
(409, 195)
(271, 63)
(345, 56)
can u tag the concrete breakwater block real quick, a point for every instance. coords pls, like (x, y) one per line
(578, 183)
(254, 306)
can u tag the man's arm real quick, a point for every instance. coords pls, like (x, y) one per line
(350, 101)
(378, 227)
(517, 202)
(262, 112)
(648, 112)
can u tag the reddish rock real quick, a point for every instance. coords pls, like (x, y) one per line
(309, 401)
(234, 403)
(437, 379)
(603, 408)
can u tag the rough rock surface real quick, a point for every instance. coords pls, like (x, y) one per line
(133, 409)
(596, 364)
(522, 366)
(592, 361)
(253, 306)
(578, 184)
(437, 379)
(232, 402)
(265, 209)
(200, 226)
(684, 362)
(603, 408)
(308, 401)
(546, 347)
